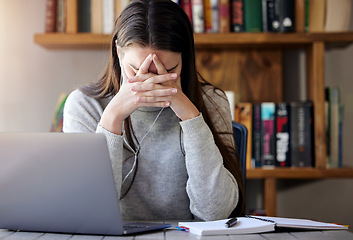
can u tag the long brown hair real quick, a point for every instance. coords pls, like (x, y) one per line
(163, 25)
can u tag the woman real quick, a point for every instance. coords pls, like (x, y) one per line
(168, 131)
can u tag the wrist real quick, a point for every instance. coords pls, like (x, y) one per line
(111, 123)
(190, 115)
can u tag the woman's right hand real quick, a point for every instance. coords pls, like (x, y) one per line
(150, 94)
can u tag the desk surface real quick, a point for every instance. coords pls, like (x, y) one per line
(173, 234)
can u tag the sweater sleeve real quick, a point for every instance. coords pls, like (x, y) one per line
(212, 189)
(82, 114)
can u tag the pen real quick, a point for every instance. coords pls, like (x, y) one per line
(231, 222)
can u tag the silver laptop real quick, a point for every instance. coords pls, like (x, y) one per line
(60, 182)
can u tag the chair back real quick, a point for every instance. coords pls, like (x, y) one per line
(241, 137)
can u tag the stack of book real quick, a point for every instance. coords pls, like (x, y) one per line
(282, 134)
(209, 16)
(268, 15)
(91, 16)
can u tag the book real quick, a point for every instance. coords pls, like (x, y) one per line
(270, 15)
(334, 127)
(186, 5)
(108, 16)
(71, 16)
(243, 115)
(256, 135)
(287, 15)
(215, 16)
(268, 131)
(327, 127)
(253, 15)
(50, 16)
(252, 224)
(61, 16)
(84, 16)
(237, 16)
(338, 15)
(300, 9)
(197, 16)
(207, 15)
(224, 16)
(316, 15)
(301, 134)
(282, 135)
(96, 16)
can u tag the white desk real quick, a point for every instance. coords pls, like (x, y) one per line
(172, 234)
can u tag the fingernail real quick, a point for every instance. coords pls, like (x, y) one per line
(150, 56)
(174, 75)
(174, 90)
(167, 104)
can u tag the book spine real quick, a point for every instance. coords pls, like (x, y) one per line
(301, 134)
(327, 127)
(243, 114)
(186, 5)
(224, 16)
(306, 16)
(61, 16)
(256, 135)
(96, 16)
(340, 137)
(71, 16)
(84, 15)
(108, 16)
(207, 15)
(282, 135)
(287, 15)
(300, 16)
(198, 16)
(338, 15)
(215, 15)
(253, 15)
(334, 125)
(237, 16)
(50, 16)
(268, 134)
(316, 15)
(270, 15)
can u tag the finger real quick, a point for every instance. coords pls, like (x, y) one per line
(154, 99)
(154, 90)
(159, 65)
(162, 78)
(141, 77)
(145, 65)
(155, 104)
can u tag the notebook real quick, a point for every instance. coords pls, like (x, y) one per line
(60, 182)
(251, 224)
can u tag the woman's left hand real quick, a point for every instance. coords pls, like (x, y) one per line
(180, 103)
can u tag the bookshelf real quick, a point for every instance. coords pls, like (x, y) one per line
(250, 64)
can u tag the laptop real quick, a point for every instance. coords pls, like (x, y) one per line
(62, 183)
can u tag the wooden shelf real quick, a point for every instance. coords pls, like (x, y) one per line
(89, 41)
(299, 173)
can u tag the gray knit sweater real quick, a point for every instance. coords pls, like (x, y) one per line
(180, 172)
